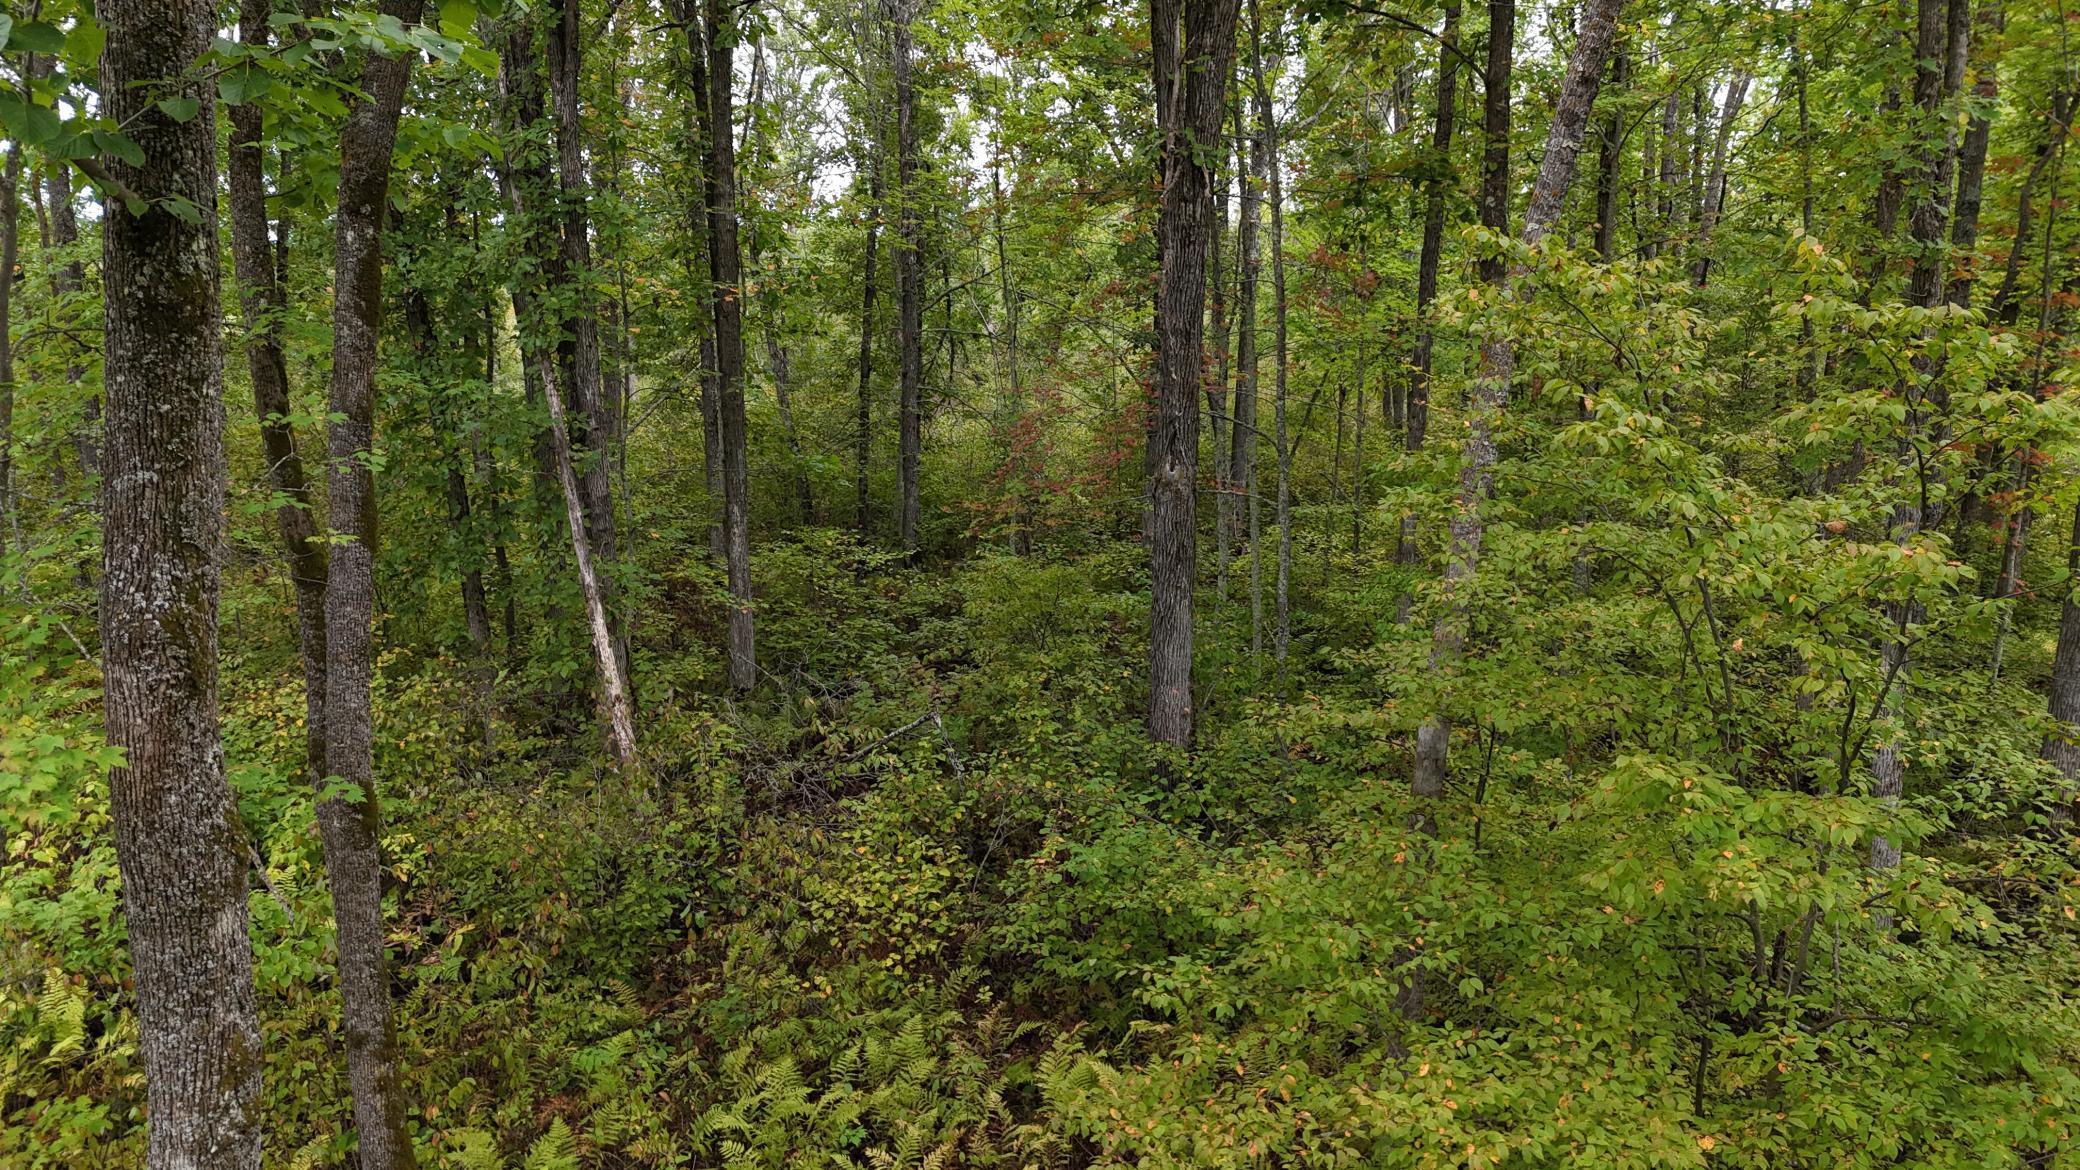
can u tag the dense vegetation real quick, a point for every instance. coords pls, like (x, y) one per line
(1224, 583)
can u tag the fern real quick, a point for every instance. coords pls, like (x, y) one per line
(556, 1149)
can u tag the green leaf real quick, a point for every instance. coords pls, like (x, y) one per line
(37, 37)
(31, 125)
(180, 109)
(119, 145)
(457, 16)
(84, 43)
(481, 59)
(6, 28)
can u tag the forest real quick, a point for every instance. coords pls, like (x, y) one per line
(936, 585)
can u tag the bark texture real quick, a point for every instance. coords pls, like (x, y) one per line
(349, 815)
(179, 844)
(725, 267)
(1491, 387)
(1193, 54)
(262, 303)
(1427, 268)
(909, 274)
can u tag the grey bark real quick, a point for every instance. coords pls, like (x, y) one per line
(593, 409)
(179, 844)
(349, 815)
(863, 435)
(725, 267)
(262, 304)
(909, 274)
(1714, 203)
(1491, 388)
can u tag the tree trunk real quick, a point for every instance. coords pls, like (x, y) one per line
(1194, 43)
(180, 846)
(593, 409)
(1971, 165)
(1495, 129)
(1426, 269)
(264, 304)
(1217, 385)
(1491, 388)
(349, 815)
(863, 436)
(1282, 635)
(2059, 747)
(10, 243)
(1610, 156)
(1939, 52)
(724, 265)
(1715, 188)
(1242, 436)
(71, 278)
(2006, 307)
(909, 274)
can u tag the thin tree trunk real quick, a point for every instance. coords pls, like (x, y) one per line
(1217, 386)
(1971, 165)
(1939, 52)
(592, 408)
(863, 435)
(1715, 187)
(1242, 428)
(725, 267)
(70, 279)
(179, 845)
(10, 230)
(909, 276)
(1491, 388)
(2060, 748)
(1427, 267)
(1610, 157)
(263, 304)
(1282, 636)
(1194, 44)
(1022, 509)
(349, 815)
(2005, 306)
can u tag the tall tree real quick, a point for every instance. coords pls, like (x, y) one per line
(594, 417)
(1193, 53)
(1942, 32)
(10, 245)
(909, 271)
(863, 434)
(267, 368)
(179, 843)
(349, 815)
(725, 267)
(1491, 388)
(1435, 188)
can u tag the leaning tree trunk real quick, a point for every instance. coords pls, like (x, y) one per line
(726, 268)
(1194, 47)
(179, 844)
(1490, 395)
(349, 816)
(1714, 202)
(263, 304)
(593, 409)
(1426, 271)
